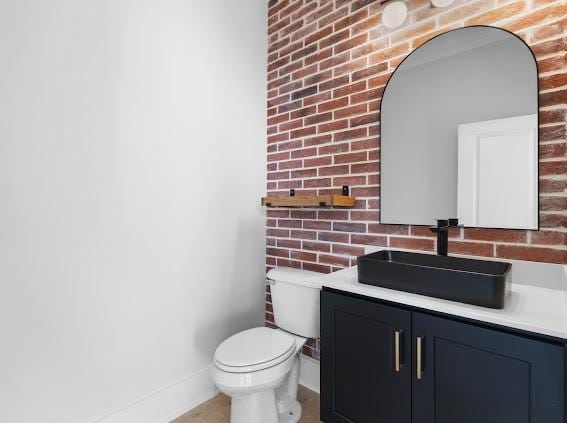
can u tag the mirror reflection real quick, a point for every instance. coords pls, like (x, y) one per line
(459, 133)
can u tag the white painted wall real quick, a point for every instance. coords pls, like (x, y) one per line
(131, 168)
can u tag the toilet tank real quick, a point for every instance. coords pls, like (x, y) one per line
(295, 299)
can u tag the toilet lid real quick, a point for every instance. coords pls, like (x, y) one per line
(254, 349)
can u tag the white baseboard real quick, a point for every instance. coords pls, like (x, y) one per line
(166, 403)
(309, 375)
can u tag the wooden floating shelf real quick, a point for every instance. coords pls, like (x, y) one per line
(310, 201)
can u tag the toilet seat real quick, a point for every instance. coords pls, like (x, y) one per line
(253, 350)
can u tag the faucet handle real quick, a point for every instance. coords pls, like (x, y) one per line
(454, 223)
(441, 223)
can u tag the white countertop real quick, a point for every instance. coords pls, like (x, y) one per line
(529, 308)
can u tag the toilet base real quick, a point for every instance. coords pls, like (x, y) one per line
(261, 407)
(291, 414)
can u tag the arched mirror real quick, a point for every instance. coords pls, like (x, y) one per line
(459, 133)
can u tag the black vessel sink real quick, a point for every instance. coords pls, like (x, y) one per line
(478, 282)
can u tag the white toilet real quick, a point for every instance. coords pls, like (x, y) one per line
(259, 368)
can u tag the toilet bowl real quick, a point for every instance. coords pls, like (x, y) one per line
(259, 368)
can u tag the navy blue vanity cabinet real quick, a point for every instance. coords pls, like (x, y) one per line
(451, 370)
(471, 374)
(366, 361)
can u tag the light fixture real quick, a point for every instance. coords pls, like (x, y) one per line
(395, 14)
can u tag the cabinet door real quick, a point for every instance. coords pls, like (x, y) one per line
(472, 374)
(360, 379)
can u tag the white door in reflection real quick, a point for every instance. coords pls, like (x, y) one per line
(498, 173)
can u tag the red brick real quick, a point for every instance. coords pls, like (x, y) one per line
(333, 126)
(303, 72)
(315, 99)
(377, 228)
(333, 170)
(347, 250)
(349, 89)
(333, 237)
(364, 120)
(350, 66)
(289, 243)
(334, 260)
(317, 225)
(549, 238)
(555, 150)
(279, 252)
(517, 252)
(349, 227)
(500, 235)
(325, 9)
(549, 220)
(371, 143)
(305, 111)
(317, 183)
(364, 215)
(350, 157)
(321, 139)
(334, 38)
(303, 255)
(364, 168)
(304, 92)
(553, 133)
(334, 149)
(558, 204)
(334, 60)
(322, 117)
(412, 243)
(316, 267)
(316, 78)
(471, 248)
(370, 71)
(320, 55)
(278, 175)
(278, 156)
(496, 15)
(283, 262)
(277, 213)
(316, 246)
(303, 132)
(333, 104)
(558, 167)
(289, 145)
(303, 234)
(349, 44)
(369, 240)
(334, 83)
(350, 111)
(332, 17)
(350, 134)
(333, 214)
(319, 161)
(318, 35)
(304, 173)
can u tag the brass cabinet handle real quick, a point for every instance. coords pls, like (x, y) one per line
(418, 353)
(397, 352)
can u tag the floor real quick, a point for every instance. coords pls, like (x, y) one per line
(217, 410)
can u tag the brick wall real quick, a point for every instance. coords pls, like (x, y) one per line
(328, 62)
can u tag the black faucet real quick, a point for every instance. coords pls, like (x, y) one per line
(442, 231)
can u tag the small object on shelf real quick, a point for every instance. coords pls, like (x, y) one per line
(345, 189)
(292, 193)
(331, 200)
